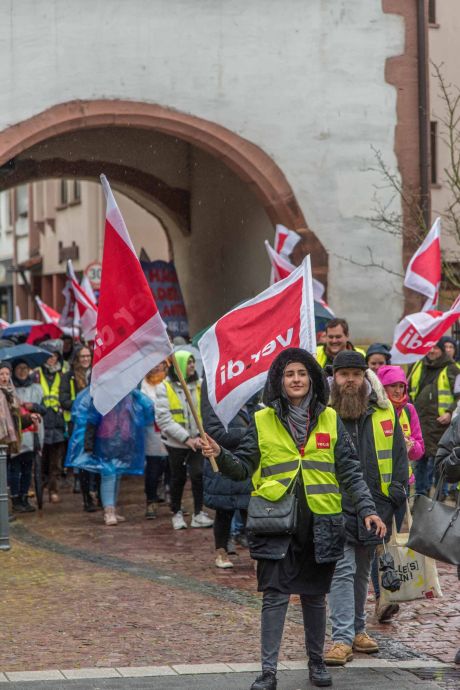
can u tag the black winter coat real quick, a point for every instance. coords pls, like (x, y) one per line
(362, 436)
(448, 455)
(426, 402)
(328, 530)
(220, 492)
(53, 422)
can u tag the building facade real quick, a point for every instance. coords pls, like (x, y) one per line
(43, 224)
(222, 119)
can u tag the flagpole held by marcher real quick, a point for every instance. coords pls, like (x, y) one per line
(191, 404)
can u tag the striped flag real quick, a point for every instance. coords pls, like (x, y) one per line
(131, 337)
(49, 314)
(87, 310)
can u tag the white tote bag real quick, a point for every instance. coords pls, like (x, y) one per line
(417, 573)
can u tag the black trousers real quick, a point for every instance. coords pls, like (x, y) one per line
(222, 526)
(155, 467)
(274, 608)
(181, 459)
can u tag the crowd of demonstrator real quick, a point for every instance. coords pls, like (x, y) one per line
(347, 433)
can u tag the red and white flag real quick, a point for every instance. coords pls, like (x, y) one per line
(86, 286)
(131, 337)
(423, 273)
(239, 348)
(49, 314)
(281, 268)
(285, 241)
(416, 334)
(84, 305)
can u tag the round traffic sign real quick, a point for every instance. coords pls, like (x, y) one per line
(93, 272)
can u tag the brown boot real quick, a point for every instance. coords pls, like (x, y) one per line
(365, 644)
(338, 654)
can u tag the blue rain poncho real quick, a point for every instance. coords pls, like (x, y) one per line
(119, 445)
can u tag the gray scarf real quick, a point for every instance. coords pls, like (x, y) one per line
(299, 417)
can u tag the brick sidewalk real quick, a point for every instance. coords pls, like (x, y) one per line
(141, 594)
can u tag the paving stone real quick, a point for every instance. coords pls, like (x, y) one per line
(295, 665)
(33, 675)
(195, 669)
(142, 671)
(248, 668)
(77, 673)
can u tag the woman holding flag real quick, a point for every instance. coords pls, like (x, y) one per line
(297, 445)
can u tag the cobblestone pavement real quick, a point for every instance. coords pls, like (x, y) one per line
(74, 593)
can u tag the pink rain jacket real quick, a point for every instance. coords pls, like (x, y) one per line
(389, 374)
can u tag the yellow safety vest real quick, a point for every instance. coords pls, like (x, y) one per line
(175, 404)
(383, 426)
(445, 397)
(321, 356)
(281, 461)
(50, 395)
(68, 413)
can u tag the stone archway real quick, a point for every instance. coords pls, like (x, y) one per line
(256, 171)
(249, 161)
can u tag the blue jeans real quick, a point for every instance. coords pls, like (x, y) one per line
(110, 484)
(348, 595)
(423, 470)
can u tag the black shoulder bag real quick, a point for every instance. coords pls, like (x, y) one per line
(435, 530)
(273, 517)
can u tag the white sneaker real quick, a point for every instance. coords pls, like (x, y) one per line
(178, 520)
(202, 520)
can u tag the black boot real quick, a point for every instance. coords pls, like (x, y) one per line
(319, 674)
(267, 681)
(89, 505)
(457, 658)
(17, 505)
(27, 507)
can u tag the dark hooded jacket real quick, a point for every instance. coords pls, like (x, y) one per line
(426, 402)
(327, 530)
(53, 421)
(220, 492)
(448, 454)
(362, 435)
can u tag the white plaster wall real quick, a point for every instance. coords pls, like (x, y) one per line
(303, 80)
(444, 52)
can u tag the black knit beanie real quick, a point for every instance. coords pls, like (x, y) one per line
(349, 359)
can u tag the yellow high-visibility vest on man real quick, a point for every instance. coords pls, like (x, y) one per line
(374, 430)
(337, 334)
(434, 391)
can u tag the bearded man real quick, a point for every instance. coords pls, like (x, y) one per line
(360, 401)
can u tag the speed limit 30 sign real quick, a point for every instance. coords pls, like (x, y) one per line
(93, 272)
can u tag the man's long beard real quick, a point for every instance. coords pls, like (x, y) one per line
(348, 402)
